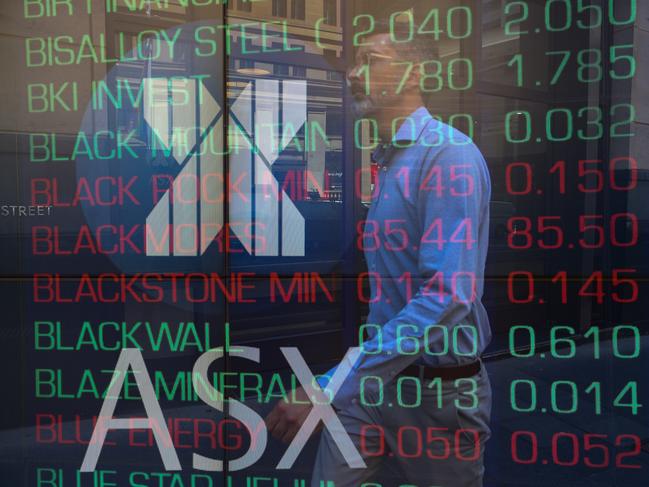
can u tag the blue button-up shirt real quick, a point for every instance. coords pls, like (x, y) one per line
(425, 242)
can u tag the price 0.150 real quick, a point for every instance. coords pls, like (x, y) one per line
(593, 176)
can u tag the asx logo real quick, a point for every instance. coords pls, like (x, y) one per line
(154, 419)
(188, 123)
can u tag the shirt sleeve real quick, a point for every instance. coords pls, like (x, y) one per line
(448, 269)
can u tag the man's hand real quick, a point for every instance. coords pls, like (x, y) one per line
(286, 418)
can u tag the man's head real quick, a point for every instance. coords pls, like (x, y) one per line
(386, 73)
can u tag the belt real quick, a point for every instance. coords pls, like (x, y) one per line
(445, 373)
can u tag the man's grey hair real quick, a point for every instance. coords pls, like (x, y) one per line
(418, 49)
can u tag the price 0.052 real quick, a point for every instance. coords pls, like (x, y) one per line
(570, 449)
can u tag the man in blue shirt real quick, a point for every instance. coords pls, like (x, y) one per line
(417, 395)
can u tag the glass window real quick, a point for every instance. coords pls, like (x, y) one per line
(334, 76)
(279, 8)
(330, 12)
(244, 5)
(280, 69)
(298, 9)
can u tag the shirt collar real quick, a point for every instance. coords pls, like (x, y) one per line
(412, 126)
(409, 132)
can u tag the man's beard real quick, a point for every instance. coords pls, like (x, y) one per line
(362, 107)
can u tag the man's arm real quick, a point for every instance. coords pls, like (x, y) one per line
(439, 300)
(446, 294)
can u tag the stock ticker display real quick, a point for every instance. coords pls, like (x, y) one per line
(290, 243)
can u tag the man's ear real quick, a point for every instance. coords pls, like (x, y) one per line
(414, 80)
